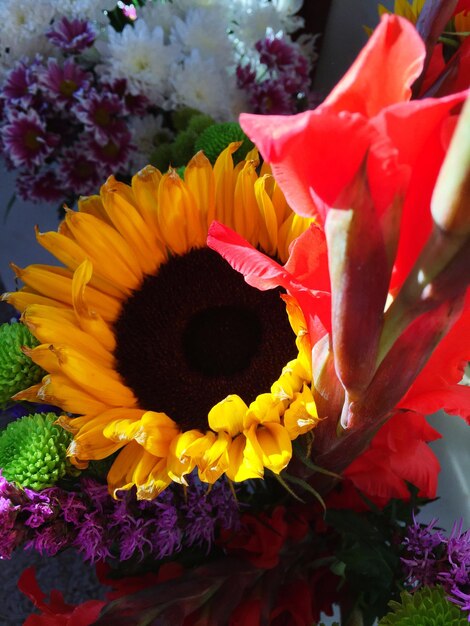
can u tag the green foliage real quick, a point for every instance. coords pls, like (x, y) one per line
(425, 607)
(33, 451)
(369, 550)
(17, 371)
(218, 136)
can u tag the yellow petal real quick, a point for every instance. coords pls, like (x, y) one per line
(225, 184)
(179, 463)
(243, 461)
(145, 187)
(228, 415)
(93, 206)
(106, 248)
(268, 227)
(246, 213)
(199, 177)
(272, 444)
(156, 432)
(119, 202)
(178, 216)
(25, 297)
(58, 390)
(266, 408)
(301, 416)
(214, 461)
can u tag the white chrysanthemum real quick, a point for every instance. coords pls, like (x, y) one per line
(85, 9)
(138, 54)
(202, 85)
(205, 30)
(159, 14)
(146, 133)
(22, 28)
(256, 16)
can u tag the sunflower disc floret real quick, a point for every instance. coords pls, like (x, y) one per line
(17, 370)
(33, 451)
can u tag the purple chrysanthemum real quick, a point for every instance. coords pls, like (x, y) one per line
(43, 186)
(114, 153)
(20, 84)
(72, 36)
(276, 52)
(134, 104)
(79, 171)
(270, 97)
(101, 114)
(26, 139)
(61, 83)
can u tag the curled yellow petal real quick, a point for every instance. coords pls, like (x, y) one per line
(228, 415)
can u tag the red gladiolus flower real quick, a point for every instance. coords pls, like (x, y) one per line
(365, 165)
(56, 612)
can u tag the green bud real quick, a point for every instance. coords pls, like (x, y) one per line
(218, 136)
(33, 451)
(199, 123)
(182, 117)
(427, 606)
(182, 149)
(17, 371)
(161, 157)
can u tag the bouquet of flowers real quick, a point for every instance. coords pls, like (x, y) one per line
(225, 382)
(79, 99)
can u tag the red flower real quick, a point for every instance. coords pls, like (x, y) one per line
(260, 539)
(56, 612)
(365, 165)
(294, 605)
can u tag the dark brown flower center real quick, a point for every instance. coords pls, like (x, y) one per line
(195, 333)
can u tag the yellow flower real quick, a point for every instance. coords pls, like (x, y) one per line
(159, 348)
(410, 9)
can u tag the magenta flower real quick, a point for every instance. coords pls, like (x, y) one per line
(72, 36)
(78, 171)
(101, 115)
(115, 152)
(270, 97)
(43, 186)
(20, 84)
(61, 83)
(275, 52)
(134, 104)
(26, 139)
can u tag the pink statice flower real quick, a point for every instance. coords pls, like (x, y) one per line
(26, 140)
(60, 83)
(72, 36)
(102, 115)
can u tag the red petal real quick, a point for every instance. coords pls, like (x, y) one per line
(361, 90)
(316, 150)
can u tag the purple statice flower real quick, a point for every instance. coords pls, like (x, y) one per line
(20, 85)
(8, 533)
(41, 186)
(461, 599)
(432, 558)
(201, 521)
(135, 537)
(49, 539)
(79, 171)
(101, 114)
(26, 140)
(167, 536)
(60, 83)
(39, 508)
(72, 36)
(91, 537)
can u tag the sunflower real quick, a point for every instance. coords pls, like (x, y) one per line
(160, 350)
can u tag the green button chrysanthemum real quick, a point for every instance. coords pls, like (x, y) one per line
(33, 451)
(425, 607)
(218, 136)
(17, 371)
